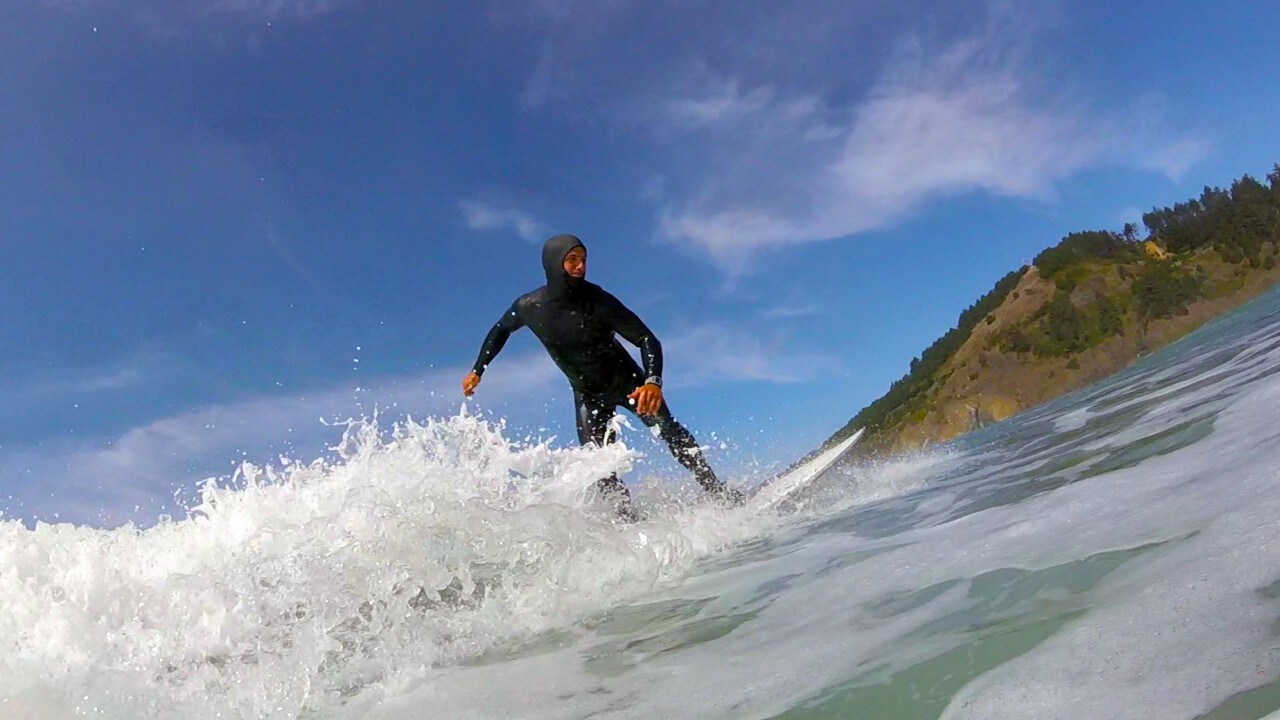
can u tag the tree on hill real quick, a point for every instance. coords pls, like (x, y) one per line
(1077, 246)
(1248, 222)
(1063, 326)
(1163, 290)
(1071, 261)
(1060, 328)
(1110, 317)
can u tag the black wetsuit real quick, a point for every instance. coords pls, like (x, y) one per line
(578, 323)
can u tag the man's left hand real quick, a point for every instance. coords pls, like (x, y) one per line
(647, 399)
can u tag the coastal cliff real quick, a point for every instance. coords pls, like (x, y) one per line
(1086, 308)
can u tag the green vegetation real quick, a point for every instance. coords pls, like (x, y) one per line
(1065, 264)
(906, 397)
(1163, 290)
(1239, 223)
(1060, 328)
(1106, 283)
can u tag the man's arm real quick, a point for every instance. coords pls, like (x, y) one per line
(633, 330)
(493, 344)
(647, 397)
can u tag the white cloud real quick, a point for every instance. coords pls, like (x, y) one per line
(721, 105)
(718, 352)
(271, 9)
(168, 17)
(120, 379)
(482, 216)
(967, 118)
(789, 311)
(1173, 160)
(724, 103)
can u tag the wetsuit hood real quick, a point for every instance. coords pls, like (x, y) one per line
(560, 282)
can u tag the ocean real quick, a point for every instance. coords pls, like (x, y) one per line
(1112, 554)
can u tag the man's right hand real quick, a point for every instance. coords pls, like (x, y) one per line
(470, 382)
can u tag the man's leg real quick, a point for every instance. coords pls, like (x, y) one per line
(593, 429)
(685, 449)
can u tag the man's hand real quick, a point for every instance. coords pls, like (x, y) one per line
(469, 383)
(647, 399)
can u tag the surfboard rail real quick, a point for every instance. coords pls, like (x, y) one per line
(776, 490)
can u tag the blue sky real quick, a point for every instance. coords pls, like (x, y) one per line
(225, 220)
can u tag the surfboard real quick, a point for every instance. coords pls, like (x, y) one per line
(778, 489)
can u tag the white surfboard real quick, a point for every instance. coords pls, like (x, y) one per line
(777, 489)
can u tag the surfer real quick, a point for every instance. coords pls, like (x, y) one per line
(578, 323)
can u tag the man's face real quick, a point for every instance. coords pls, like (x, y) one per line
(575, 263)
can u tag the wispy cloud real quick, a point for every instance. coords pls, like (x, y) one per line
(127, 373)
(124, 378)
(727, 106)
(720, 352)
(170, 17)
(723, 104)
(483, 216)
(1174, 159)
(970, 116)
(788, 311)
(271, 9)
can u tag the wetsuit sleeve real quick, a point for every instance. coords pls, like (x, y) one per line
(632, 328)
(497, 337)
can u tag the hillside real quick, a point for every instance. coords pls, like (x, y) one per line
(1086, 308)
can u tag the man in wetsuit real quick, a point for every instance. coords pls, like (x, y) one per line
(578, 323)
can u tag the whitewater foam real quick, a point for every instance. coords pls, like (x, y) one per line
(319, 580)
(323, 587)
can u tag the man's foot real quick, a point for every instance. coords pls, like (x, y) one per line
(716, 488)
(728, 496)
(612, 491)
(627, 512)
